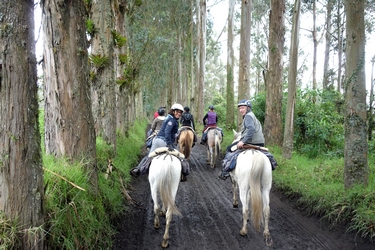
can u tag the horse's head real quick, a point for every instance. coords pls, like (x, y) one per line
(237, 136)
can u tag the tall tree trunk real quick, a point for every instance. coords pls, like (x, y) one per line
(315, 42)
(119, 13)
(274, 84)
(69, 124)
(292, 83)
(202, 57)
(197, 104)
(21, 173)
(339, 45)
(244, 64)
(103, 86)
(229, 123)
(371, 122)
(326, 69)
(356, 165)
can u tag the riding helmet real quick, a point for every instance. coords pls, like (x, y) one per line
(211, 107)
(177, 106)
(244, 102)
(187, 109)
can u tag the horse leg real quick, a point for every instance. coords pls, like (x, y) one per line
(156, 208)
(244, 196)
(266, 215)
(235, 190)
(208, 156)
(212, 162)
(165, 242)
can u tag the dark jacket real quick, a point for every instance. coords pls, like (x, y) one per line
(168, 130)
(187, 119)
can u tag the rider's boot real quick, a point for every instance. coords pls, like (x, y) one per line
(223, 175)
(183, 178)
(135, 172)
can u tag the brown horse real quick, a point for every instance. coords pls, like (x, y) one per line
(186, 141)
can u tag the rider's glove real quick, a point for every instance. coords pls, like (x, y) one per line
(170, 148)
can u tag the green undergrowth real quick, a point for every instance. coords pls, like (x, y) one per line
(75, 217)
(317, 185)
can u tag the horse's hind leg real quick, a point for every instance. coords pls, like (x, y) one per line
(266, 216)
(168, 218)
(235, 190)
(156, 208)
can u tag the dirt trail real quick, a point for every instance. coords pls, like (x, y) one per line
(210, 222)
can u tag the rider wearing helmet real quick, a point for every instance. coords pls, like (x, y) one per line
(209, 121)
(161, 109)
(166, 135)
(251, 131)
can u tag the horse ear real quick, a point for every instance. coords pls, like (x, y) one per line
(234, 132)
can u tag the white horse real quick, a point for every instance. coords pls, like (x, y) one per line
(164, 177)
(213, 145)
(253, 177)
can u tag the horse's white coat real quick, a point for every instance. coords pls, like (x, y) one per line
(252, 177)
(164, 178)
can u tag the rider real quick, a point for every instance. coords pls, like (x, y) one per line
(187, 120)
(158, 121)
(166, 135)
(155, 126)
(251, 132)
(209, 120)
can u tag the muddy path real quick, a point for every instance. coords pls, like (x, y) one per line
(210, 222)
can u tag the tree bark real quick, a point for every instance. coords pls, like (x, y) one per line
(202, 57)
(103, 86)
(274, 83)
(326, 69)
(69, 124)
(230, 122)
(292, 83)
(244, 62)
(356, 165)
(21, 172)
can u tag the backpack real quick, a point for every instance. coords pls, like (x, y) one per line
(187, 117)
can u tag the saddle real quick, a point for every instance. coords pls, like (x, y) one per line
(185, 170)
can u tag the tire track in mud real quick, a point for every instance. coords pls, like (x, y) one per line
(210, 222)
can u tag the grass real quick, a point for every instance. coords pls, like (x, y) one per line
(75, 218)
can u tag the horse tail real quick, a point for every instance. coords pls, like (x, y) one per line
(217, 142)
(169, 181)
(255, 190)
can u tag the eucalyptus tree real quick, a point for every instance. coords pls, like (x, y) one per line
(103, 75)
(202, 56)
(229, 123)
(356, 147)
(21, 172)
(328, 43)
(292, 83)
(274, 77)
(244, 57)
(69, 123)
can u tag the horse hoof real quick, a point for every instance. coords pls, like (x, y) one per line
(164, 244)
(156, 226)
(243, 232)
(268, 241)
(235, 205)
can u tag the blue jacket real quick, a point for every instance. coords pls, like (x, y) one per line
(168, 130)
